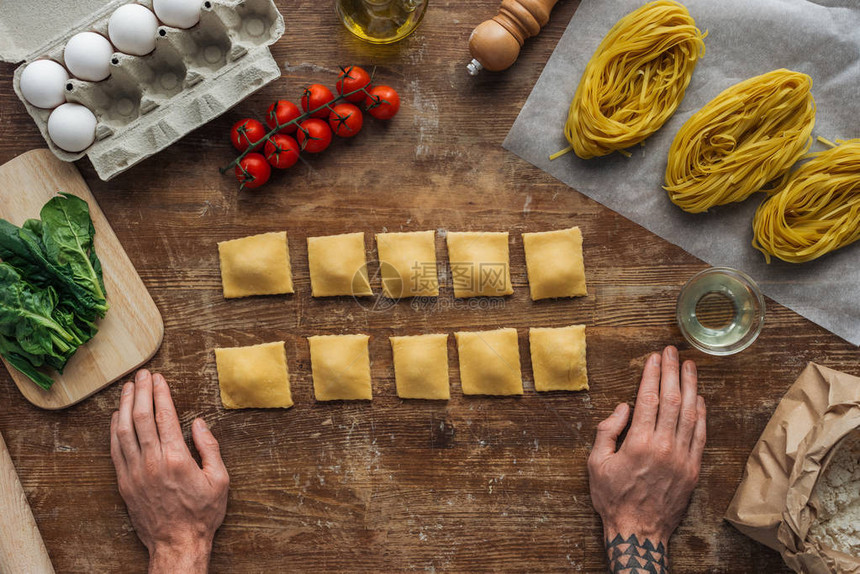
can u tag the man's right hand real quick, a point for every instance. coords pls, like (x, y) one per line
(175, 506)
(642, 489)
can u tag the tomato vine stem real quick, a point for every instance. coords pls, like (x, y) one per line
(306, 115)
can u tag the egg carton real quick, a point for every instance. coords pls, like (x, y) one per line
(148, 102)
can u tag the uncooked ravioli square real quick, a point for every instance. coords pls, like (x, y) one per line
(256, 265)
(480, 264)
(341, 367)
(338, 265)
(558, 358)
(490, 362)
(254, 377)
(421, 366)
(554, 263)
(407, 262)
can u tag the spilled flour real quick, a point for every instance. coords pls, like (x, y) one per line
(838, 492)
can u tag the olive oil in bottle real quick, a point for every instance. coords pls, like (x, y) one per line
(381, 21)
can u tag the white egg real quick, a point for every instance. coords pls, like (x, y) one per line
(178, 13)
(87, 56)
(132, 29)
(72, 127)
(43, 83)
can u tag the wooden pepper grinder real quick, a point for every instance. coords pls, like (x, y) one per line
(495, 44)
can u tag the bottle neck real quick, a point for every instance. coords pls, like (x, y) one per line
(407, 5)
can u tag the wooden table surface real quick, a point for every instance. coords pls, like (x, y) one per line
(475, 484)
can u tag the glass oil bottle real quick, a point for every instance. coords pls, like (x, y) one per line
(381, 21)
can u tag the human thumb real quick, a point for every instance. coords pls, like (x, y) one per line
(207, 446)
(608, 431)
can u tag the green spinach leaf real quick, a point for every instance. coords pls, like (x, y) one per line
(23, 249)
(24, 362)
(51, 287)
(67, 234)
(29, 312)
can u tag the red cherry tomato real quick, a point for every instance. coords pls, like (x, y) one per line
(382, 102)
(246, 133)
(314, 135)
(314, 96)
(353, 78)
(280, 113)
(282, 151)
(345, 120)
(253, 171)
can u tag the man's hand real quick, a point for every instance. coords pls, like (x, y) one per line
(174, 505)
(642, 490)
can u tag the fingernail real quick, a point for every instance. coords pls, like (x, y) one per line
(128, 388)
(141, 375)
(655, 359)
(672, 353)
(690, 367)
(201, 424)
(157, 379)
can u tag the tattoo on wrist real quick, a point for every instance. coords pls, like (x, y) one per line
(632, 556)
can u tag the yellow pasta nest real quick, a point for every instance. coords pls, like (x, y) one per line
(815, 211)
(747, 137)
(635, 80)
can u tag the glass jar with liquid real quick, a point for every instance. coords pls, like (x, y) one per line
(720, 311)
(381, 21)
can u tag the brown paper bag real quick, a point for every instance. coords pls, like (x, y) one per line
(774, 502)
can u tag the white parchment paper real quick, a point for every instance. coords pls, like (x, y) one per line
(745, 38)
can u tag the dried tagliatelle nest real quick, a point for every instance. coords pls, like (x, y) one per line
(634, 81)
(743, 141)
(838, 492)
(816, 210)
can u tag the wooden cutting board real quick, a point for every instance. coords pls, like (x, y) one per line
(132, 330)
(22, 550)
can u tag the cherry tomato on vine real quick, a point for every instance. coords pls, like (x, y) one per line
(345, 120)
(382, 102)
(353, 78)
(282, 151)
(314, 135)
(252, 171)
(280, 113)
(246, 132)
(314, 96)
